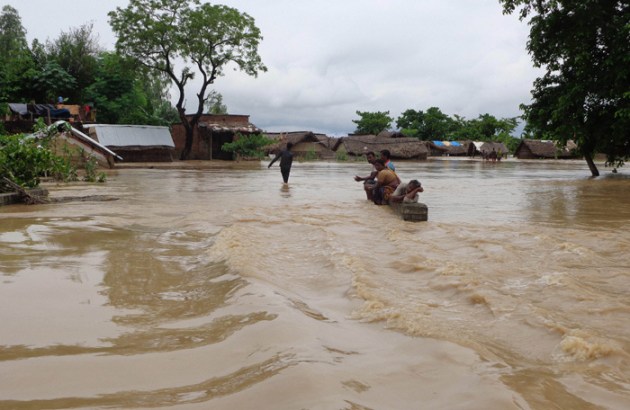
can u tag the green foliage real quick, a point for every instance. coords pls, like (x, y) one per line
(76, 52)
(310, 155)
(52, 81)
(26, 160)
(430, 125)
(126, 94)
(12, 33)
(160, 33)
(214, 103)
(16, 63)
(341, 156)
(373, 122)
(435, 125)
(248, 146)
(91, 166)
(584, 48)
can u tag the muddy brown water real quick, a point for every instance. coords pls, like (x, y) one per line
(221, 288)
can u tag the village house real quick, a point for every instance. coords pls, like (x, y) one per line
(484, 148)
(212, 131)
(545, 149)
(306, 144)
(77, 146)
(400, 146)
(448, 148)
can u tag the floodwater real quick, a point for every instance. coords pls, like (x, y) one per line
(220, 288)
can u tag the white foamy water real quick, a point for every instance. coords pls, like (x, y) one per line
(221, 288)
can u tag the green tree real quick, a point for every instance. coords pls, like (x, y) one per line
(430, 125)
(12, 33)
(160, 33)
(125, 94)
(584, 47)
(52, 80)
(214, 104)
(437, 125)
(373, 122)
(159, 109)
(410, 122)
(16, 63)
(76, 52)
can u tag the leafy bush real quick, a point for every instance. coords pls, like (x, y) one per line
(26, 160)
(249, 146)
(310, 155)
(91, 165)
(341, 156)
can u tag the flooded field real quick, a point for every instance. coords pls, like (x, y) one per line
(221, 288)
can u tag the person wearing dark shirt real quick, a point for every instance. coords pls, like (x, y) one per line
(286, 159)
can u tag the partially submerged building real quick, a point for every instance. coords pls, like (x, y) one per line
(545, 149)
(485, 148)
(306, 144)
(136, 143)
(399, 146)
(78, 146)
(447, 148)
(211, 133)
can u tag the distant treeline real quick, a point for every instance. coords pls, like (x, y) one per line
(433, 124)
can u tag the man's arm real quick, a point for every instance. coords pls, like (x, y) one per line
(273, 160)
(371, 176)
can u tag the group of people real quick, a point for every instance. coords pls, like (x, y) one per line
(383, 185)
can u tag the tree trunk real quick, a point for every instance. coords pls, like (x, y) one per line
(188, 143)
(189, 133)
(591, 164)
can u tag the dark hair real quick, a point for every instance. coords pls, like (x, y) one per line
(380, 161)
(289, 145)
(414, 182)
(386, 153)
(370, 153)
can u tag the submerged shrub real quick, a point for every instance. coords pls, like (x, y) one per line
(25, 160)
(249, 146)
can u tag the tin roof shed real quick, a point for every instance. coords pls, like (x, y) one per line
(132, 135)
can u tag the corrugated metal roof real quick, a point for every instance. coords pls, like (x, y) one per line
(133, 135)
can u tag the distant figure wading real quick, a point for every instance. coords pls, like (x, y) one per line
(286, 159)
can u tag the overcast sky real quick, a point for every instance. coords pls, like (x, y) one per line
(329, 58)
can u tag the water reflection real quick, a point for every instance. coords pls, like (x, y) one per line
(285, 191)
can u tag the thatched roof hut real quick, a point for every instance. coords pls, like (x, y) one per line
(399, 146)
(305, 143)
(484, 148)
(458, 148)
(545, 149)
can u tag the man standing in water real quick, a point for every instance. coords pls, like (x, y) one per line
(286, 159)
(370, 180)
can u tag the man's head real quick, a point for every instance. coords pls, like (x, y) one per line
(385, 155)
(413, 184)
(379, 164)
(370, 156)
(289, 145)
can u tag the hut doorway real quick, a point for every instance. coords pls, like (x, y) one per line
(218, 139)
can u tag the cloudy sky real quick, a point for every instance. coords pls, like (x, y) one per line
(329, 58)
